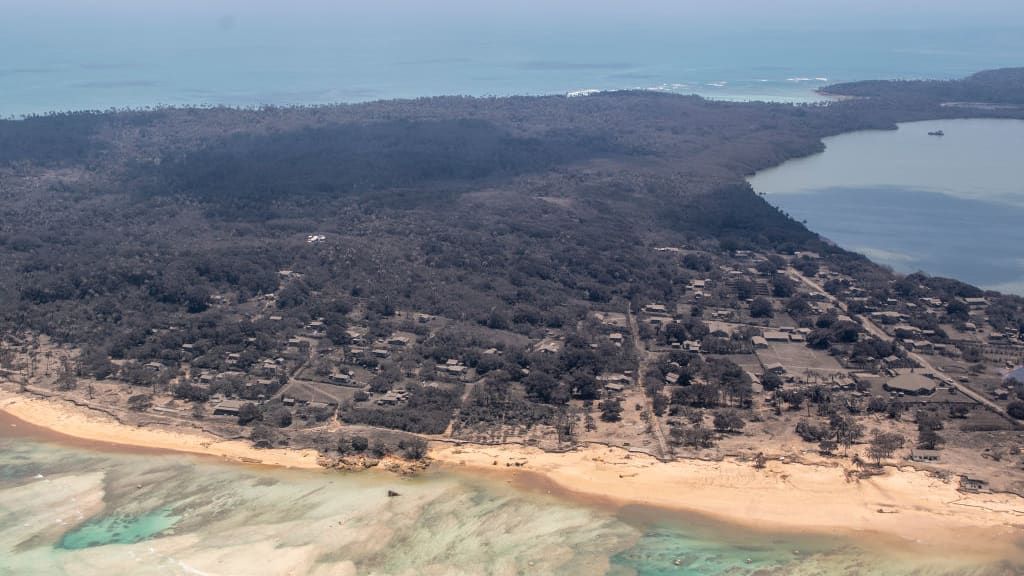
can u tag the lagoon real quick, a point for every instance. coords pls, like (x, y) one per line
(72, 509)
(947, 205)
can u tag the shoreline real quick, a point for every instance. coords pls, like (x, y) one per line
(63, 419)
(903, 505)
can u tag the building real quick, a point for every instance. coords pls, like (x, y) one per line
(924, 455)
(615, 378)
(392, 397)
(776, 336)
(228, 408)
(775, 367)
(759, 342)
(399, 341)
(969, 484)
(549, 347)
(656, 309)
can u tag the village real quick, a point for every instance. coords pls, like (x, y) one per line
(756, 356)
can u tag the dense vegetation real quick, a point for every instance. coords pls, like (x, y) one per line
(135, 234)
(999, 87)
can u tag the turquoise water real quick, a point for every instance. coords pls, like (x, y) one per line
(119, 530)
(65, 54)
(950, 206)
(73, 511)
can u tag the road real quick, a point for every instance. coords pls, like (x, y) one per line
(877, 332)
(641, 369)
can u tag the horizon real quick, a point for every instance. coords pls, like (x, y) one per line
(117, 54)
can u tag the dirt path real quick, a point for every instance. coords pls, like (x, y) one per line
(877, 332)
(643, 358)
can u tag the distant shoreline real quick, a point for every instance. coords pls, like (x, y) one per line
(903, 505)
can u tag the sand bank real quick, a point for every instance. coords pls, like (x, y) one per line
(820, 498)
(905, 503)
(77, 422)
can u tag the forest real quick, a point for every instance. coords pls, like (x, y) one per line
(130, 234)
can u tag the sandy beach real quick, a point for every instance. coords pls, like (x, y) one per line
(908, 504)
(904, 503)
(69, 420)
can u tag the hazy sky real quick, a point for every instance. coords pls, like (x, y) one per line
(752, 13)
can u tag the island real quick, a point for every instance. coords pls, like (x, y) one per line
(577, 290)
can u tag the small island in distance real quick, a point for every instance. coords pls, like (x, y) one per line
(582, 288)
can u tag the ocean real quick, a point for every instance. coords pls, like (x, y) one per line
(73, 510)
(113, 54)
(949, 206)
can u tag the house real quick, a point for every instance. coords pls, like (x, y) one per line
(776, 336)
(775, 367)
(548, 347)
(976, 303)
(154, 367)
(759, 342)
(615, 378)
(922, 345)
(616, 337)
(614, 388)
(381, 352)
(656, 309)
(355, 336)
(888, 317)
(340, 379)
(228, 408)
(969, 484)
(399, 341)
(672, 378)
(691, 346)
(392, 397)
(924, 455)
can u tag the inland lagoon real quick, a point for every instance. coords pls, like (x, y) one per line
(947, 205)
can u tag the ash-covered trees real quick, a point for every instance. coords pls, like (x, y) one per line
(884, 444)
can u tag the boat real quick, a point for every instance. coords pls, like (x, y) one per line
(937, 133)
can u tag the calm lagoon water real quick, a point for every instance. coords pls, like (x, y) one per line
(71, 510)
(950, 205)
